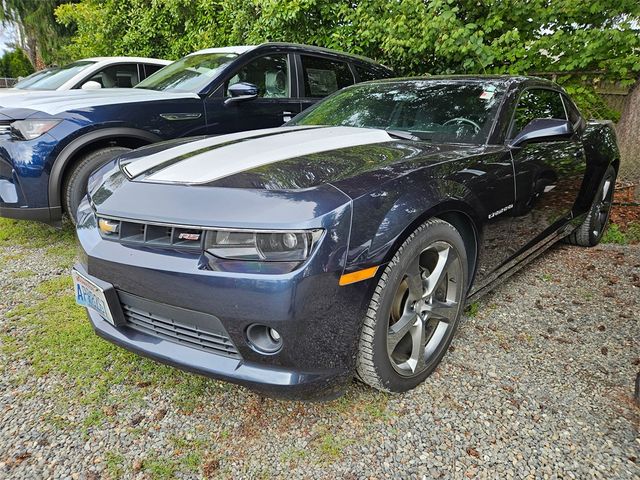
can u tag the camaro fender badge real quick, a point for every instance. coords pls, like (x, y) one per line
(194, 237)
(502, 210)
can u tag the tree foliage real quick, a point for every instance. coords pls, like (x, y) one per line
(41, 35)
(576, 41)
(14, 64)
(412, 36)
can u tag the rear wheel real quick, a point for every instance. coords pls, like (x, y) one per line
(75, 185)
(415, 309)
(590, 232)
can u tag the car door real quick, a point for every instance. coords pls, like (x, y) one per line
(549, 173)
(275, 104)
(321, 76)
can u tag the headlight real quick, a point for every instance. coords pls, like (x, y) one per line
(265, 246)
(32, 128)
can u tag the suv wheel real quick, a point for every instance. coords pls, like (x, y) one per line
(415, 309)
(75, 185)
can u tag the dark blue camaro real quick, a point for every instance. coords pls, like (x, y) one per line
(346, 242)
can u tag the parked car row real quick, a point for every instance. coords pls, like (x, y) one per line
(289, 258)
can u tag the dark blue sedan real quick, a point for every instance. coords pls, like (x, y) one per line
(51, 142)
(346, 242)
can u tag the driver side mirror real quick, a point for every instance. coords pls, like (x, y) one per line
(91, 85)
(543, 130)
(241, 92)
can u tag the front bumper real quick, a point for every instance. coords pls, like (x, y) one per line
(24, 179)
(275, 381)
(318, 320)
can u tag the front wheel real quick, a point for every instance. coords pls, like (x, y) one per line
(415, 309)
(75, 185)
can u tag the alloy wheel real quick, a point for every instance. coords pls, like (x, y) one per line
(424, 308)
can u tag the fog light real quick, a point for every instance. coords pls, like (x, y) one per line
(264, 339)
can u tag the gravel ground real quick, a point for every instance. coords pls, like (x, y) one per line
(539, 384)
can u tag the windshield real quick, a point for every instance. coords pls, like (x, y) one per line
(56, 77)
(447, 111)
(34, 77)
(189, 74)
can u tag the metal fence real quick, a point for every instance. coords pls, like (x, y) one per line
(6, 82)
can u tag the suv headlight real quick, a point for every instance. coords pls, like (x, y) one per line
(32, 128)
(264, 246)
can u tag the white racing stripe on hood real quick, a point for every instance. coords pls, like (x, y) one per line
(140, 166)
(242, 156)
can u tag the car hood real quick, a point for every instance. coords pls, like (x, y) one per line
(55, 102)
(314, 168)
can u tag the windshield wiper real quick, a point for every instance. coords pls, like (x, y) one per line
(402, 134)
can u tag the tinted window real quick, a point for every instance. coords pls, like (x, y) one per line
(150, 69)
(572, 111)
(189, 74)
(270, 74)
(453, 111)
(366, 74)
(116, 76)
(537, 104)
(58, 76)
(323, 77)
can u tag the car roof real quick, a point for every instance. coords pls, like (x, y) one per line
(240, 49)
(126, 59)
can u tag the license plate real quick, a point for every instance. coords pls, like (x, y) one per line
(89, 295)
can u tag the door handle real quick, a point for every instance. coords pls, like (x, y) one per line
(286, 116)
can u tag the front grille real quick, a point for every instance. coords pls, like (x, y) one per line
(153, 235)
(186, 327)
(5, 128)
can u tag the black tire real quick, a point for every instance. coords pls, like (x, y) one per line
(393, 306)
(589, 233)
(75, 184)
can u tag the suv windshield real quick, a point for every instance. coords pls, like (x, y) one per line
(190, 74)
(33, 78)
(447, 111)
(58, 76)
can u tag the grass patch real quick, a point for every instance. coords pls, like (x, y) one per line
(159, 468)
(34, 234)
(23, 274)
(331, 447)
(628, 236)
(472, 309)
(115, 465)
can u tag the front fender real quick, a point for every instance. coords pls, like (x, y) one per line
(384, 218)
(77, 144)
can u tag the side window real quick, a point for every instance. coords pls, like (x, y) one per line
(366, 74)
(323, 76)
(117, 76)
(270, 74)
(537, 104)
(572, 111)
(151, 68)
